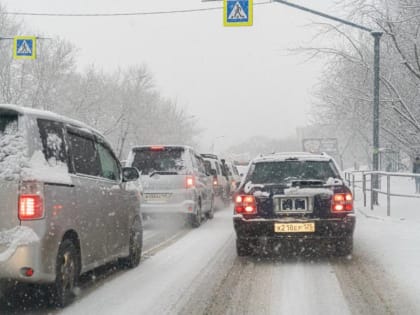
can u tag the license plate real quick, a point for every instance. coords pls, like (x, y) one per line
(294, 227)
(156, 197)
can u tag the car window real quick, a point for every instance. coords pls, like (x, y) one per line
(217, 168)
(207, 166)
(194, 160)
(283, 171)
(200, 164)
(167, 160)
(52, 138)
(109, 165)
(84, 155)
(8, 122)
(235, 170)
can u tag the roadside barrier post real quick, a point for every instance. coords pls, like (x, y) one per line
(388, 195)
(364, 189)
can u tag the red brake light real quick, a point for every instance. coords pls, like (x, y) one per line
(342, 202)
(31, 207)
(189, 181)
(245, 204)
(157, 148)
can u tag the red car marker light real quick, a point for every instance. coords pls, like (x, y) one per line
(157, 148)
(31, 207)
(189, 181)
(245, 204)
(342, 203)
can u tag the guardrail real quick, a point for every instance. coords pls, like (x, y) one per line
(367, 178)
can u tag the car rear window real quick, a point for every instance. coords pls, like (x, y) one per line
(285, 171)
(12, 147)
(8, 123)
(169, 160)
(52, 137)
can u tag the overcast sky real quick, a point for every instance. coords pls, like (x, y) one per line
(237, 82)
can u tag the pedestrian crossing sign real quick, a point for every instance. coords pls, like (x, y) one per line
(237, 12)
(24, 47)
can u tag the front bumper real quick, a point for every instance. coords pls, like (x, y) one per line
(257, 228)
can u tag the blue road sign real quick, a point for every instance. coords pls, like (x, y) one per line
(237, 12)
(24, 47)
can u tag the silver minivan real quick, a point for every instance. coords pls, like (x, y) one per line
(66, 204)
(174, 181)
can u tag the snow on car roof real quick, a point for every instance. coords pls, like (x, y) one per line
(299, 156)
(47, 115)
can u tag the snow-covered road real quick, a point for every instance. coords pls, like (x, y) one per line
(199, 273)
(196, 271)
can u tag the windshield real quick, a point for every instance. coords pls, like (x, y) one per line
(168, 161)
(280, 172)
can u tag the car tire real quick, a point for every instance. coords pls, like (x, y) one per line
(196, 218)
(242, 247)
(210, 214)
(344, 247)
(135, 246)
(67, 273)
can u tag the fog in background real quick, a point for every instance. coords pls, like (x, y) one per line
(236, 82)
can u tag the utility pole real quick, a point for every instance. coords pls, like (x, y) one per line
(376, 49)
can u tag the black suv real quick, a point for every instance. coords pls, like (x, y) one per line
(288, 198)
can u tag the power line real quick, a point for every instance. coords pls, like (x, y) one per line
(16, 13)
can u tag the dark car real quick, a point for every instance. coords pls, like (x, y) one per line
(290, 198)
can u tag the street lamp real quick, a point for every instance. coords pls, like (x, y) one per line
(376, 49)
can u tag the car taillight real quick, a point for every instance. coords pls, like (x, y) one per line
(30, 203)
(189, 181)
(342, 203)
(30, 207)
(215, 182)
(245, 204)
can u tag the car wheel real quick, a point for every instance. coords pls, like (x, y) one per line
(344, 247)
(135, 246)
(242, 247)
(210, 214)
(67, 273)
(196, 218)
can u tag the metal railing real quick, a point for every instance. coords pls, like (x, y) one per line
(367, 178)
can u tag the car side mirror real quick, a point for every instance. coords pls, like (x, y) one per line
(130, 174)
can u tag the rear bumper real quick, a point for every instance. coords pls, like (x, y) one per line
(151, 209)
(13, 260)
(332, 228)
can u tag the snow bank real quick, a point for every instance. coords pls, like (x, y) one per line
(12, 239)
